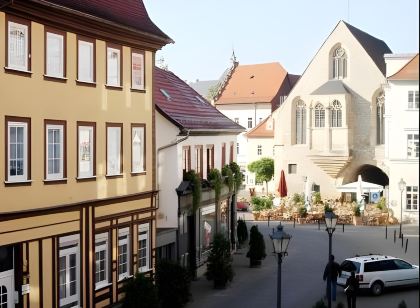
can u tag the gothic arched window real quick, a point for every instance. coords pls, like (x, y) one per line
(300, 122)
(336, 114)
(380, 120)
(319, 115)
(339, 63)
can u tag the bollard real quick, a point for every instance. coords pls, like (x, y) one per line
(406, 244)
(386, 232)
(294, 222)
(268, 221)
(395, 235)
(343, 227)
(319, 225)
(402, 240)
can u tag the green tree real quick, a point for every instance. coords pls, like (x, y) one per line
(237, 174)
(263, 169)
(140, 292)
(219, 262)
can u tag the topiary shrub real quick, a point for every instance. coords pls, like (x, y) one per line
(256, 250)
(141, 292)
(303, 212)
(356, 211)
(261, 203)
(173, 283)
(242, 232)
(219, 262)
(298, 198)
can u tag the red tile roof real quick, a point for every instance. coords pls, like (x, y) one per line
(410, 71)
(187, 109)
(254, 83)
(130, 13)
(265, 129)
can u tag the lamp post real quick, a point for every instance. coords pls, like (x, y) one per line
(401, 186)
(280, 243)
(330, 222)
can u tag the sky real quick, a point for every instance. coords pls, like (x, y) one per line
(261, 31)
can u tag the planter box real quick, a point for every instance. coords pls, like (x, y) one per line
(357, 220)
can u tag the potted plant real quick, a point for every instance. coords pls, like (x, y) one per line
(357, 218)
(140, 292)
(242, 232)
(219, 262)
(302, 212)
(256, 250)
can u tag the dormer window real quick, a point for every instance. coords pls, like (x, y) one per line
(339, 63)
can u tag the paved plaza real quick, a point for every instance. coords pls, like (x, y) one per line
(302, 269)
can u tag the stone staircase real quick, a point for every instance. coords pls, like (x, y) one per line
(331, 164)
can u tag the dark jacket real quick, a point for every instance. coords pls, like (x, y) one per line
(335, 270)
(352, 281)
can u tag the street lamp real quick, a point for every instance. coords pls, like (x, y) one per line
(330, 222)
(401, 185)
(280, 243)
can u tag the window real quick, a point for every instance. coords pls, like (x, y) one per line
(339, 63)
(69, 271)
(113, 66)
(55, 150)
(292, 168)
(237, 148)
(400, 264)
(210, 158)
(412, 145)
(336, 114)
(114, 148)
(186, 159)
(101, 260)
(223, 154)
(259, 150)
(300, 122)
(412, 197)
(55, 54)
(17, 155)
(249, 122)
(319, 115)
(18, 44)
(413, 99)
(86, 134)
(123, 253)
(86, 60)
(143, 248)
(199, 160)
(138, 152)
(137, 70)
(380, 119)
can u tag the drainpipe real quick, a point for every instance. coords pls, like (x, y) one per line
(6, 4)
(157, 181)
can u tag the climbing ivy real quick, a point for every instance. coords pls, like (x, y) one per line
(196, 188)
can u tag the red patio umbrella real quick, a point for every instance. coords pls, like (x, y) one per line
(282, 185)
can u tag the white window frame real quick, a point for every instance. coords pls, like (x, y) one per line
(124, 239)
(259, 150)
(24, 176)
(300, 122)
(69, 245)
(412, 191)
(249, 122)
(319, 116)
(110, 78)
(51, 54)
(412, 143)
(86, 169)
(138, 149)
(102, 244)
(336, 114)
(137, 70)
(339, 63)
(143, 234)
(413, 99)
(59, 175)
(114, 168)
(25, 29)
(82, 62)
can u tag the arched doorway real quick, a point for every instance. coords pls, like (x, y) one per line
(370, 174)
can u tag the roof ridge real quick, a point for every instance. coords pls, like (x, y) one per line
(404, 66)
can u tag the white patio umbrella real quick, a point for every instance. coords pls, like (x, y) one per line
(360, 187)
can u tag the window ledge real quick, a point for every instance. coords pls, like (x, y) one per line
(138, 90)
(86, 83)
(18, 183)
(125, 278)
(113, 87)
(87, 178)
(17, 71)
(55, 181)
(118, 175)
(138, 173)
(102, 286)
(55, 78)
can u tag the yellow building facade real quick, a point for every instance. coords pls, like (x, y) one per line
(77, 209)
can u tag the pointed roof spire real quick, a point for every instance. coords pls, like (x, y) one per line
(233, 57)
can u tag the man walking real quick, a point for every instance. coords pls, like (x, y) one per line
(331, 272)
